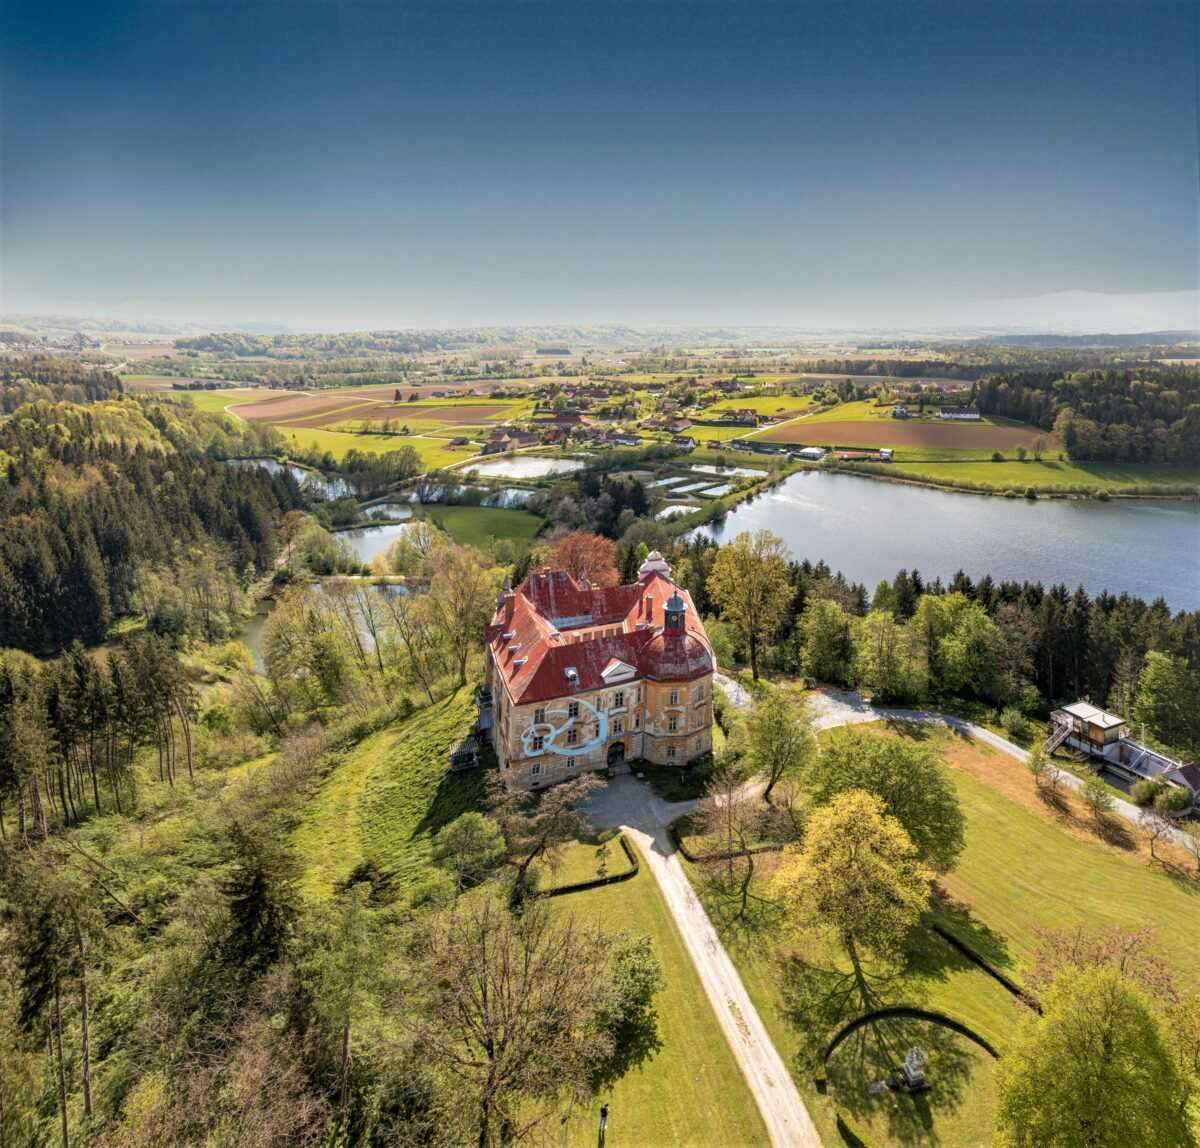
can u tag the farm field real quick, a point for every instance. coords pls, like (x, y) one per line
(902, 433)
(434, 452)
(1052, 475)
(474, 525)
(763, 404)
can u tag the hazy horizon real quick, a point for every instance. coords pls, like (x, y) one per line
(355, 165)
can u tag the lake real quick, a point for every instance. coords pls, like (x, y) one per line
(869, 530)
(367, 541)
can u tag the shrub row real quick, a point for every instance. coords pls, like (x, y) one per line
(699, 858)
(598, 882)
(982, 962)
(852, 1132)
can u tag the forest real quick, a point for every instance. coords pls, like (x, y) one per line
(117, 507)
(1144, 415)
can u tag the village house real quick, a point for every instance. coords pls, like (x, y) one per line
(900, 411)
(747, 416)
(962, 414)
(581, 678)
(714, 444)
(678, 425)
(685, 441)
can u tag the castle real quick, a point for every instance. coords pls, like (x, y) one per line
(585, 678)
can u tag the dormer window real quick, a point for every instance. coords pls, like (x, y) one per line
(509, 636)
(519, 662)
(514, 647)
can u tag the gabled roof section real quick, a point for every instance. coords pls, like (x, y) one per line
(552, 637)
(617, 670)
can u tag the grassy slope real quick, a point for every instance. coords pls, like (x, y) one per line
(1020, 871)
(474, 525)
(692, 1092)
(387, 797)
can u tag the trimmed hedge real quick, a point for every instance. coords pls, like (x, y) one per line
(852, 1132)
(820, 1077)
(599, 882)
(697, 859)
(978, 959)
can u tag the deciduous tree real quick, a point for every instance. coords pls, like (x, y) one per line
(1095, 1069)
(749, 583)
(857, 872)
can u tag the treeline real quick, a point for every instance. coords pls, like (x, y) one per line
(53, 379)
(101, 501)
(70, 730)
(1003, 643)
(1143, 415)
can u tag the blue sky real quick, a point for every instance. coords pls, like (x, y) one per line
(383, 163)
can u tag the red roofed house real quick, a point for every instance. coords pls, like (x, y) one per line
(584, 678)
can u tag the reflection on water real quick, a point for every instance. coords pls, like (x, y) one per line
(533, 467)
(314, 482)
(869, 530)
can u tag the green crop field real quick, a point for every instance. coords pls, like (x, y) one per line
(476, 525)
(1052, 476)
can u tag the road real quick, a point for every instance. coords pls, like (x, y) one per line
(631, 806)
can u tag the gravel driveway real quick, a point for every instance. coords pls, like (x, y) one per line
(628, 804)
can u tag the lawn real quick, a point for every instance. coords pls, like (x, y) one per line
(477, 525)
(1021, 870)
(387, 797)
(957, 1110)
(803, 988)
(691, 1094)
(581, 861)
(1051, 475)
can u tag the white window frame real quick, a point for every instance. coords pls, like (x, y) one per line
(672, 724)
(673, 698)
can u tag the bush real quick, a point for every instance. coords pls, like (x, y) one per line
(997, 456)
(1096, 798)
(1031, 492)
(1173, 799)
(852, 1132)
(1147, 792)
(1103, 495)
(1012, 721)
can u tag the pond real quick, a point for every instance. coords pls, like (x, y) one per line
(314, 481)
(869, 530)
(522, 467)
(367, 541)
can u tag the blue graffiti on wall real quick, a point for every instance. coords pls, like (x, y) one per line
(554, 737)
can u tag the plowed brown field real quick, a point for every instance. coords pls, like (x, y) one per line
(289, 406)
(943, 436)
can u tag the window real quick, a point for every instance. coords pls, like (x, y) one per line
(572, 709)
(673, 698)
(619, 699)
(672, 724)
(670, 752)
(618, 726)
(537, 745)
(537, 768)
(572, 736)
(700, 692)
(570, 763)
(539, 715)
(637, 720)
(637, 694)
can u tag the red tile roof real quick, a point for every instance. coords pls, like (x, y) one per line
(541, 630)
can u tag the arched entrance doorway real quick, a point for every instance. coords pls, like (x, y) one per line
(616, 757)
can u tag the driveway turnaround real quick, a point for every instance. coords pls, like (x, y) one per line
(629, 805)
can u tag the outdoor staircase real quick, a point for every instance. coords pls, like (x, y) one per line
(1061, 732)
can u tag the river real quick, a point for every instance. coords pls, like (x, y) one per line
(869, 530)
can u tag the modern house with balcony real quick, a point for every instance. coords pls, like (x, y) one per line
(1104, 738)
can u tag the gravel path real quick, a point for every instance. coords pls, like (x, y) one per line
(629, 804)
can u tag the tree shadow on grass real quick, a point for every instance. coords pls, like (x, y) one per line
(1114, 831)
(874, 1049)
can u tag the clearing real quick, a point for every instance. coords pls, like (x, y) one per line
(476, 525)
